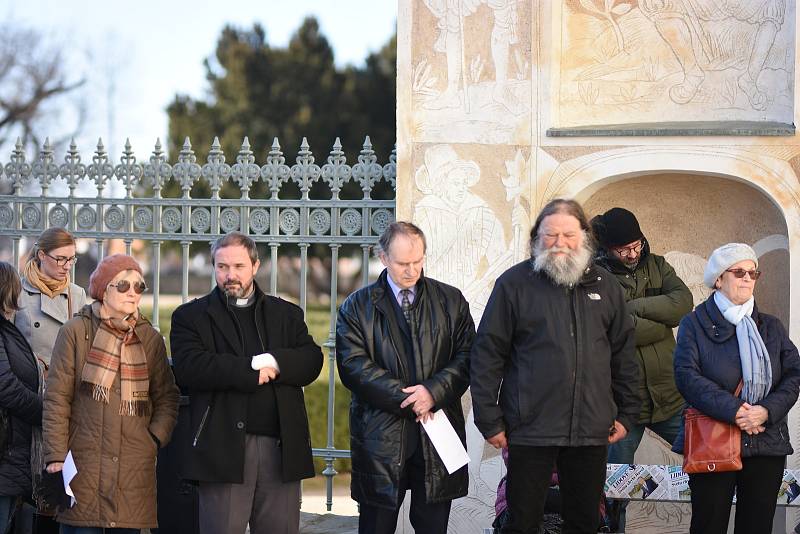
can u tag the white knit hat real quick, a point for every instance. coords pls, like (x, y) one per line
(724, 257)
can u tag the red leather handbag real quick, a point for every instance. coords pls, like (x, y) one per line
(711, 445)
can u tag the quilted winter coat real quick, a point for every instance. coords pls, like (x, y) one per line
(115, 455)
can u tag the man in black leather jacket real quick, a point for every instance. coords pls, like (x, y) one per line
(402, 348)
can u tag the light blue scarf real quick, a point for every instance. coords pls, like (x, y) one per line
(756, 367)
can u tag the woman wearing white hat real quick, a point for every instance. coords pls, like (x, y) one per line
(726, 340)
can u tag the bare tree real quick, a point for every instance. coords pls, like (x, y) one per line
(36, 89)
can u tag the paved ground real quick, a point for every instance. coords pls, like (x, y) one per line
(328, 524)
(315, 518)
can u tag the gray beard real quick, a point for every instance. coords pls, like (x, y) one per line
(563, 270)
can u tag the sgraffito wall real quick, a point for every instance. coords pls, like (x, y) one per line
(486, 89)
(674, 60)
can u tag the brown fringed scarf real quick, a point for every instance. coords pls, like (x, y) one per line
(48, 286)
(116, 347)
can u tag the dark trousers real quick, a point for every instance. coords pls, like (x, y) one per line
(425, 518)
(581, 474)
(262, 500)
(756, 487)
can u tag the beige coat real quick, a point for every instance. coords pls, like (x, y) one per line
(115, 455)
(40, 316)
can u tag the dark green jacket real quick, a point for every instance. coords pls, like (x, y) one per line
(657, 299)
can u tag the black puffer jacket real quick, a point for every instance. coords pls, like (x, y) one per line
(19, 384)
(565, 357)
(370, 354)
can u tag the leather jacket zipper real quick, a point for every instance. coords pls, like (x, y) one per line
(404, 371)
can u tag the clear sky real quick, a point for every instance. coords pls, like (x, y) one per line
(138, 54)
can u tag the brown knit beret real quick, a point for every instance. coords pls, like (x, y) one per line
(106, 271)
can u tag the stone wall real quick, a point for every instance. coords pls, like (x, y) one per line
(506, 104)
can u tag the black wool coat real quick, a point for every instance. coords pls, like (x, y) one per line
(209, 362)
(373, 364)
(19, 385)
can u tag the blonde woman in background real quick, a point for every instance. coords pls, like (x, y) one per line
(49, 298)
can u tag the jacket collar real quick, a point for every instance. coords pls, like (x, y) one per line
(381, 292)
(54, 307)
(606, 259)
(220, 314)
(140, 328)
(591, 276)
(716, 327)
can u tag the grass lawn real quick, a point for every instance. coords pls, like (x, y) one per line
(318, 320)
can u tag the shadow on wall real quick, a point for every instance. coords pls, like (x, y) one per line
(685, 217)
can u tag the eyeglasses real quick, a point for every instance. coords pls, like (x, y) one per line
(739, 273)
(61, 261)
(626, 251)
(123, 286)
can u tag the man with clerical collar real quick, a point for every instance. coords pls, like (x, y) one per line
(244, 357)
(402, 348)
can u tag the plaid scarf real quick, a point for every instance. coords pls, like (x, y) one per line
(116, 347)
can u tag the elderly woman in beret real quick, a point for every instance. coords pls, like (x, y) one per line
(111, 401)
(725, 340)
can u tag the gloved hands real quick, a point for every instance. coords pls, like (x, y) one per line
(51, 490)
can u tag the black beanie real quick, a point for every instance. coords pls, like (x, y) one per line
(616, 227)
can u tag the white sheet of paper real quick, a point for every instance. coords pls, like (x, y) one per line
(446, 442)
(68, 472)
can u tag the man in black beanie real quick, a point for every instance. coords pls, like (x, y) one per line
(657, 299)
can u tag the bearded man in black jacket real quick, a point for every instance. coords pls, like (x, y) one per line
(558, 338)
(244, 357)
(402, 348)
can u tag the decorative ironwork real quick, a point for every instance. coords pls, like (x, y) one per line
(6, 216)
(259, 221)
(31, 216)
(275, 172)
(338, 211)
(333, 214)
(171, 219)
(350, 221)
(229, 220)
(114, 218)
(86, 218)
(157, 171)
(319, 221)
(143, 218)
(201, 220)
(59, 216)
(381, 219)
(336, 172)
(44, 170)
(245, 171)
(290, 221)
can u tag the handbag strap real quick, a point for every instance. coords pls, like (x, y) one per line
(739, 388)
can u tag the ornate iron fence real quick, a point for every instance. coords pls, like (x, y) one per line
(142, 213)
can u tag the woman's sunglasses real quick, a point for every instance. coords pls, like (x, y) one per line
(123, 286)
(739, 273)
